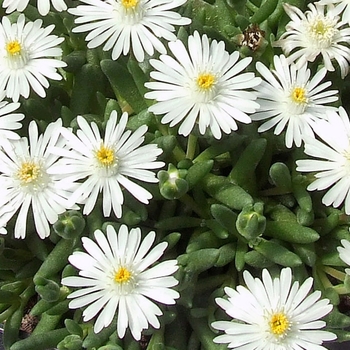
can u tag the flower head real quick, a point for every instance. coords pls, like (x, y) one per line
(43, 5)
(273, 314)
(344, 253)
(27, 180)
(289, 99)
(332, 163)
(106, 164)
(125, 24)
(25, 51)
(318, 31)
(116, 276)
(203, 85)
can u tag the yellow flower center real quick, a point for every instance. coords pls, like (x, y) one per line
(205, 81)
(322, 30)
(130, 4)
(29, 172)
(105, 156)
(299, 95)
(319, 27)
(123, 275)
(13, 47)
(279, 324)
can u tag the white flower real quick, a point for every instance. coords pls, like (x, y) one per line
(316, 32)
(343, 6)
(115, 276)
(289, 99)
(122, 24)
(203, 85)
(344, 253)
(273, 314)
(27, 180)
(43, 5)
(9, 121)
(108, 163)
(333, 164)
(25, 51)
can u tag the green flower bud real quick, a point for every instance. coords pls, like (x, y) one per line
(70, 342)
(47, 289)
(172, 183)
(69, 225)
(251, 222)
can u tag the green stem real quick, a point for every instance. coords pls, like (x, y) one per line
(324, 279)
(334, 273)
(341, 290)
(191, 146)
(178, 153)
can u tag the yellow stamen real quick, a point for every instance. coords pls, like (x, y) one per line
(322, 30)
(205, 81)
(299, 95)
(105, 156)
(13, 47)
(319, 27)
(130, 4)
(123, 275)
(279, 324)
(29, 172)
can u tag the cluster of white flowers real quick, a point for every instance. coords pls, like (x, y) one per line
(197, 86)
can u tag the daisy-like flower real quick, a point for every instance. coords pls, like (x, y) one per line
(273, 314)
(332, 163)
(9, 121)
(318, 31)
(26, 51)
(106, 164)
(342, 6)
(116, 276)
(43, 5)
(27, 180)
(289, 99)
(124, 24)
(203, 85)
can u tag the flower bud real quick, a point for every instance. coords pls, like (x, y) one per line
(172, 183)
(251, 222)
(70, 342)
(69, 225)
(47, 289)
